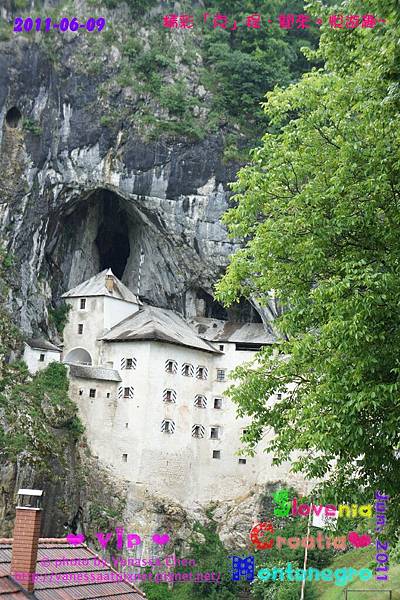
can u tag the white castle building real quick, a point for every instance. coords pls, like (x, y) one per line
(150, 387)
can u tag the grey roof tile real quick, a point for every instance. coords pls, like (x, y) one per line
(101, 373)
(96, 286)
(152, 323)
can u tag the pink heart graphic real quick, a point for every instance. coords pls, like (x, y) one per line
(359, 541)
(161, 539)
(74, 540)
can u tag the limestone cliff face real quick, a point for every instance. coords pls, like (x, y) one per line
(84, 187)
(78, 194)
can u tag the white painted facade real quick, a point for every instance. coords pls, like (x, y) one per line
(38, 358)
(126, 420)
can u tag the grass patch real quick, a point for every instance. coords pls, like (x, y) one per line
(359, 559)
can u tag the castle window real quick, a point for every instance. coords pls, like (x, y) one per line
(92, 393)
(41, 358)
(200, 401)
(167, 426)
(221, 347)
(187, 370)
(216, 453)
(125, 392)
(198, 431)
(80, 328)
(279, 396)
(81, 392)
(242, 461)
(220, 374)
(201, 372)
(108, 394)
(244, 431)
(218, 403)
(124, 458)
(128, 363)
(126, 425)
(82, 304)
(171, 366)
(215, 433)
(169, 396)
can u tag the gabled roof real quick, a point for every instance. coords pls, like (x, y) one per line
(216, 330)
(42, 344)
(151, 323)
(71, 587)
(88, 372)
(96, 286)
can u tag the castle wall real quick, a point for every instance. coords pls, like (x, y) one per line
(32, 358)
(125, 432)
(92, 319)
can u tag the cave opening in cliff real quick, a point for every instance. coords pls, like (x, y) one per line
(90, 234)
(240, 312)
(112, 239)
(13, 117)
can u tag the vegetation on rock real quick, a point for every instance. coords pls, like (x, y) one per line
(318, 214)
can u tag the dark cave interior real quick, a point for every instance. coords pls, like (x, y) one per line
(112, 239)
(103, 232)
(241, 312)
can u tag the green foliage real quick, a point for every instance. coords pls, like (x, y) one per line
(241, 66)
(317, 212)
(19, 4)
(137, 7)
(33, 407)
(5, 31)
(31, 125)
(210, 555)
(160, 591)
(59, 316)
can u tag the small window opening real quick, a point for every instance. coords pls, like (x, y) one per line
(41, 358)
(187, 370)
(169, 396)
(83, 304)
(200, 401)
(128, 363)
(124, 458)
(171, 366)
(214, 433)
(221, 347)
(218, 403)
(216, 453)
(81, 392)
(126, 425)
(220, 374)
(242, 461)
(167, 426)
(201, 372)
(92, 393)
(80, 328)
(125, 392)
(279, 396)
(198, 431)
(108, 394)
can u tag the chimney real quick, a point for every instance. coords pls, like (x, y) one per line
(26, 536)
(110, 283)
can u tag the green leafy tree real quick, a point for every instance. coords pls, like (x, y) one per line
(317, 213)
